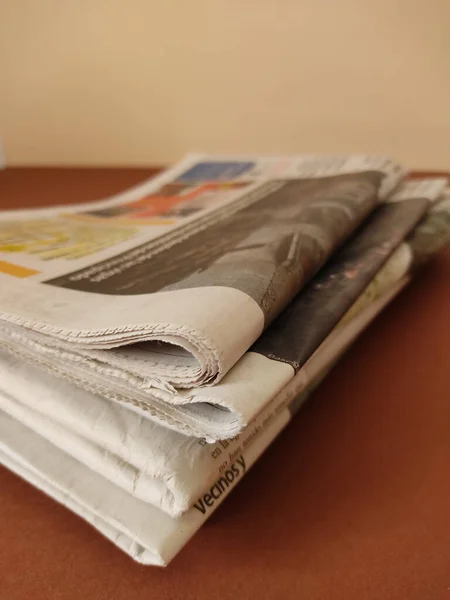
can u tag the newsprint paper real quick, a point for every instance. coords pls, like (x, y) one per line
(87, 437)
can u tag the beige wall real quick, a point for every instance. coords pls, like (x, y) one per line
(142, 81)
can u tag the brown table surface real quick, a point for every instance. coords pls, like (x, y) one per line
(351, 502)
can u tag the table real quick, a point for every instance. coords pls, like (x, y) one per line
(351, 502)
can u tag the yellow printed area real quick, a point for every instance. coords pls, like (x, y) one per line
(16, 270)
(57, 238)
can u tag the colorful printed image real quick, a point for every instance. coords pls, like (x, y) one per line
(216, 171)
(50, 239)
(171, 202)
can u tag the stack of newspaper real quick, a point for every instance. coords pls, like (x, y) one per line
(153, 345)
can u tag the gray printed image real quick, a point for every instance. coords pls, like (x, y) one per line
(312, 315)
(267, 249)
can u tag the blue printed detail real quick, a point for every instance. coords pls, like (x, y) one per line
(216, 171)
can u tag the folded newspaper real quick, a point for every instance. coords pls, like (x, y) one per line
(154, 345)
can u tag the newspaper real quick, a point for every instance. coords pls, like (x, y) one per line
(145, 532)
(163, 288)
(222, 411)
(168, 469)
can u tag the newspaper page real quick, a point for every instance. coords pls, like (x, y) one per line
(164, 468)
(223, 410)
(189, 268)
